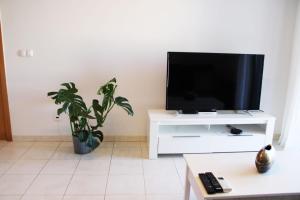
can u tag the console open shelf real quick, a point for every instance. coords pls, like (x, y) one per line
(170, 133)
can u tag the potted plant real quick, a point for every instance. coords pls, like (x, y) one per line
(86, 136)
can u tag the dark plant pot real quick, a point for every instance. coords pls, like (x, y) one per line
(80, 147)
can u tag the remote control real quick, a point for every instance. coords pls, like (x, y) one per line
(214, 181)
(207, 184)
(234, 130)
(224, 184)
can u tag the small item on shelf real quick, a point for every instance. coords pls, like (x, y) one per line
(234, 130)
(265, 158)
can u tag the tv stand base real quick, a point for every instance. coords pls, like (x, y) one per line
(170, 133)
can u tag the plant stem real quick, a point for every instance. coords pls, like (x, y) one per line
(72, 129)
(105, 115)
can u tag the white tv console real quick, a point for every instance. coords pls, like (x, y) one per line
(171, 133)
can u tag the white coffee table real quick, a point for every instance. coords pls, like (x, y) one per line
(283, 179)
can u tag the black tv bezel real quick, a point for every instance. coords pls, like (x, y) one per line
(213, 110)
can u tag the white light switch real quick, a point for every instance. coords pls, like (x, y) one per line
(22, 53)
(29, 52)
(25, 52)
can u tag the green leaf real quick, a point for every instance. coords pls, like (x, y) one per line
(96, 106)
(90, 117)
(66, 85)
(123, 103)
(106, 88)
(54, 97)
(59, 111)
(72, 85)
(63, 108)
(51, 93)
(98, 112)
(113, 80)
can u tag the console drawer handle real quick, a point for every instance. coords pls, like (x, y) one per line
(186, 136)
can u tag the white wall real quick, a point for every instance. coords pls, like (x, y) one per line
(90, 41)
(290, 131)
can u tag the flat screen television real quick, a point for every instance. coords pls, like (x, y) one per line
(206, 82)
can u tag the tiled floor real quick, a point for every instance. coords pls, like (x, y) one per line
(114, 171)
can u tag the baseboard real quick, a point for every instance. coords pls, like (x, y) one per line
(116, 138)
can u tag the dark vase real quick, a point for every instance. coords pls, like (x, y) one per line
(80, 147)
(265, 158)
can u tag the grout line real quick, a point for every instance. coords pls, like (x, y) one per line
(58, 146)
(38, 174)
(30, 147)
(73, 174)
(178, 174)
(145, 193)
(14, 161)
(11, 165)
(108, 174)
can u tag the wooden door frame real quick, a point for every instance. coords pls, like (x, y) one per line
(5, 126)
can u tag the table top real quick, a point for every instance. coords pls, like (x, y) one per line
(239, 170)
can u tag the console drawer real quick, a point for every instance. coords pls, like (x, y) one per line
(231, 143)
(208, 144)
(183, 144)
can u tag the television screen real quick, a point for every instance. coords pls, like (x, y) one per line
(213, 81)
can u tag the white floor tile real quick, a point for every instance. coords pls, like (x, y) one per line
(93, 167)
(99, 153)
(5, 165)
(67, 144)
(159, 167)
(125, 197)
(27, 167)
(10, 197)
(87, 185)
(83, 197)
(180, 164)
(2, 143)
(125, 184)
(164, 197)
(60, 167)
(49, 185)
(127, 145)
(127, 153)
(126, 167)
(40, 151)
(13, 151)
(65, 152)
(181, 169)
(46, 144)
(15, 184)
(41, 197)
(163, 184)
